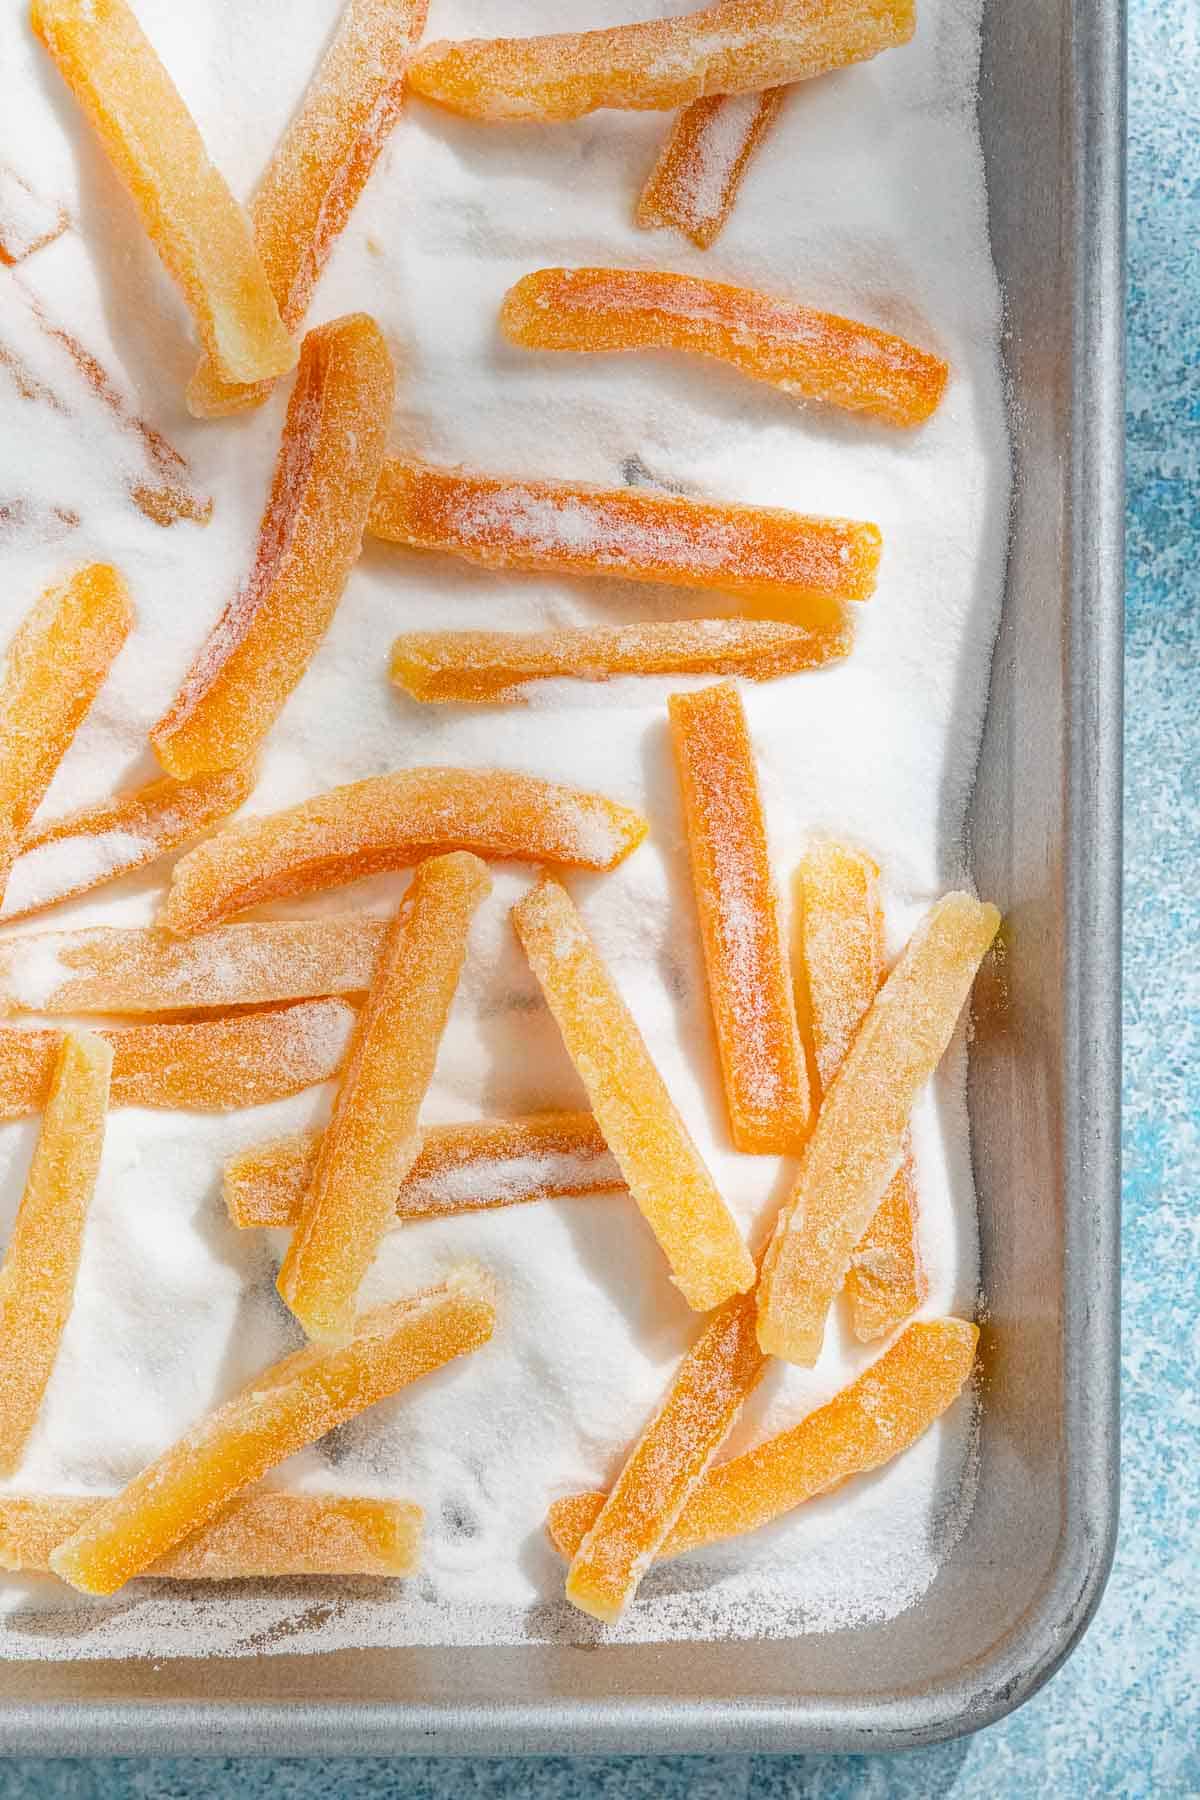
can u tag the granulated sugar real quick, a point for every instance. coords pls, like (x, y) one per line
(866, 199)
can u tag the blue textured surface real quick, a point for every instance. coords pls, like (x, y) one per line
(1122, 1718)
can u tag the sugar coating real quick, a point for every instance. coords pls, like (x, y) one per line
(700, 169)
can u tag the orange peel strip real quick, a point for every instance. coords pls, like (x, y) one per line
(84, 849)
(388, 822)
(842, 966)
(311, 533)
(211, 1065)
(28, 221)
(459, 1168)
(134, 969)
(765, 555)
(319, 169)
(280, 1411)
(265, 1534)
(653, 1148)
(735, 46)
(667, 1463)
(749, 983)
(814, 355)
(695, 182)
(483, 667)
(857, 1141)
(37, 1280)
(372, 1140)
(193, 221)
(50, 675)
(866, 1425)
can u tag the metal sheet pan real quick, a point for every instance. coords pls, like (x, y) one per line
(1024, 1580)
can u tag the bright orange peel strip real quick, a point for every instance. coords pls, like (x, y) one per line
(459, 1168)
(372, 1139)
(813, 355)
(653, 1148)
(483, 667)
(877, 1417)
(136, 969)
(193, 221)
(735, 46)
(388, 822)
(695, 182)
(37, 1280)
(319, 169)
(211, 1065)
(280, 1411)
(857, 1141)
(842, 967)
(773, 559)
(259, 1534)
(51, 673)
(310, 536)
(82, 850)
(749, 982)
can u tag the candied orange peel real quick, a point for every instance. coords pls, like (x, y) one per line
(51, 673)
(270, 1533)
(372, 1140)
(459, 1168)
(139, 969)
(842, 965)
(749, 983)
(311, 533)
(319, 169)
(84, 849)
(863, 1427)
(280, 1411)
(695, 182)
(483, 667)
(667, 1464)
(857, 1141)
(813, 355)
(388, 822)
(37, 1279)
(773, 559)
(194, 222)
(208, 1065)
(735, 46)
(653, 1148)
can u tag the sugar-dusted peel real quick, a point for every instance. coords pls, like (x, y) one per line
(842, 966)
(664, 1170)
(310, 535)
(101, 843)
(193, 221)
(270, 1533)
(776, 561)
(136, 969)
(287, 1406)
(372, 1139)
(813, 355)
(388, 822)
(319, 169)
(459, 1168)
(866, 1425)
(749, 982)
(51, 673)
(736, 46)
(667, 1463)
(695, 182)
(211, 1065)
(37, 1279)
(484, 667)
(28, 220)
(858, 1138)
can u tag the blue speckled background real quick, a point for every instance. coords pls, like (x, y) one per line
(1122, 1718)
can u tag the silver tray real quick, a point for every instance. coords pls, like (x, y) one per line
(1023, 1582)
